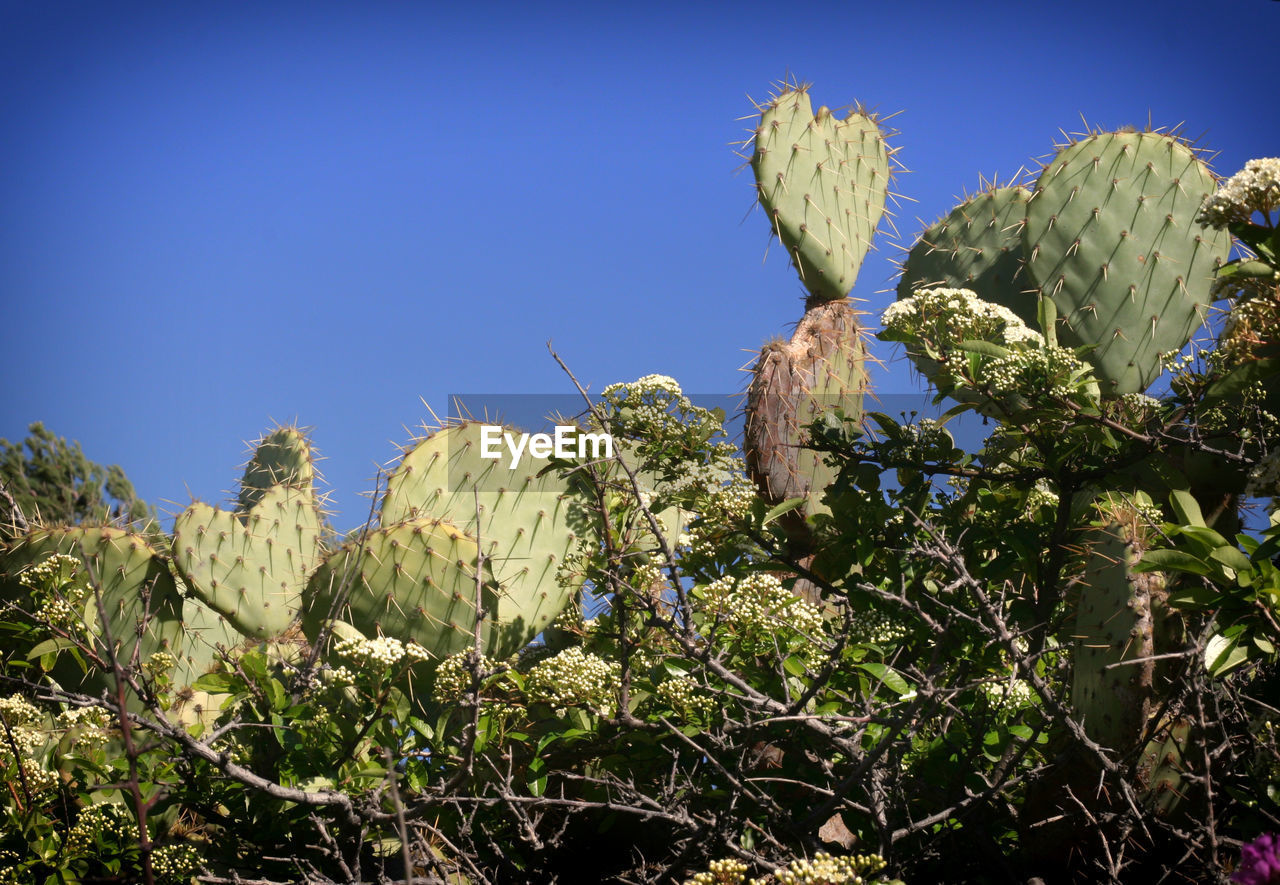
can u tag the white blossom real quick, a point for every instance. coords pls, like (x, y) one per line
(1255, 188)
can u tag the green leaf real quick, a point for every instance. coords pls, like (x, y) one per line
(1245, 376)
(1172, 560)
(986, 348)
(50, 647)
(889, 676)
(785, 507)
(1047, 316)
(793, 665)
(217, 683)
(1196, 596)
(1187, 507)
(1233, 558)
(1210, 539)
(1222, 654)
(1021, 732)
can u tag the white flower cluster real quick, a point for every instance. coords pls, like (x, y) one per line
(735, 499)
(1031, 372)
(877, 627)
(1133, 408)
(1039, 496)
(648, 579)
(159, 663)
(648, 402)
(1250, 324)
(175, 864)
(945, 317)
(340, 676)
(827, 870)
(58, 588)
(379, 654)
(1129, 509)
(759, 603)
(95, 723)
(570, 620)
(724, 506)
(683, 695)
(574, 678)
(1009, 696)
(38, 778)
(98, 819)
(25, 723)
(8, 868)
(54, 571)
(721, 872)
(646, 386)
(453, 676)
(1255, 188)
(920, 440)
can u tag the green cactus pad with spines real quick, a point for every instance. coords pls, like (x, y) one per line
(823, 183)
(977, 246)
(251, 567)
(526, 523)
(1161, 767)
(120, 565)
(205, 634)
(1111, 237)
(1112, 682)
(282, 457)
(415, 580)
(822, 368)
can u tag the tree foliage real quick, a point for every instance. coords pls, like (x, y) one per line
(47, 479)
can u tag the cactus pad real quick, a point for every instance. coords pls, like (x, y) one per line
(823, 182)
(120, 565)
(1111, 237)
(251, 568)
(415, 580)
(977, 246)
(525, 522)
(1112, 682)
(282, 457)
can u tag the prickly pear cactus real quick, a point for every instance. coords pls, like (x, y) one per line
(822, 368)
(823, 182)
(251, 565)
(414, 580)
(977, 246)
(1161, 767)
(282, 457)
(1111, 237)
(1113, 678)
(143, 607)
(524, 520)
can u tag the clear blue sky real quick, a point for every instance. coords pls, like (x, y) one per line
(214, 216)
